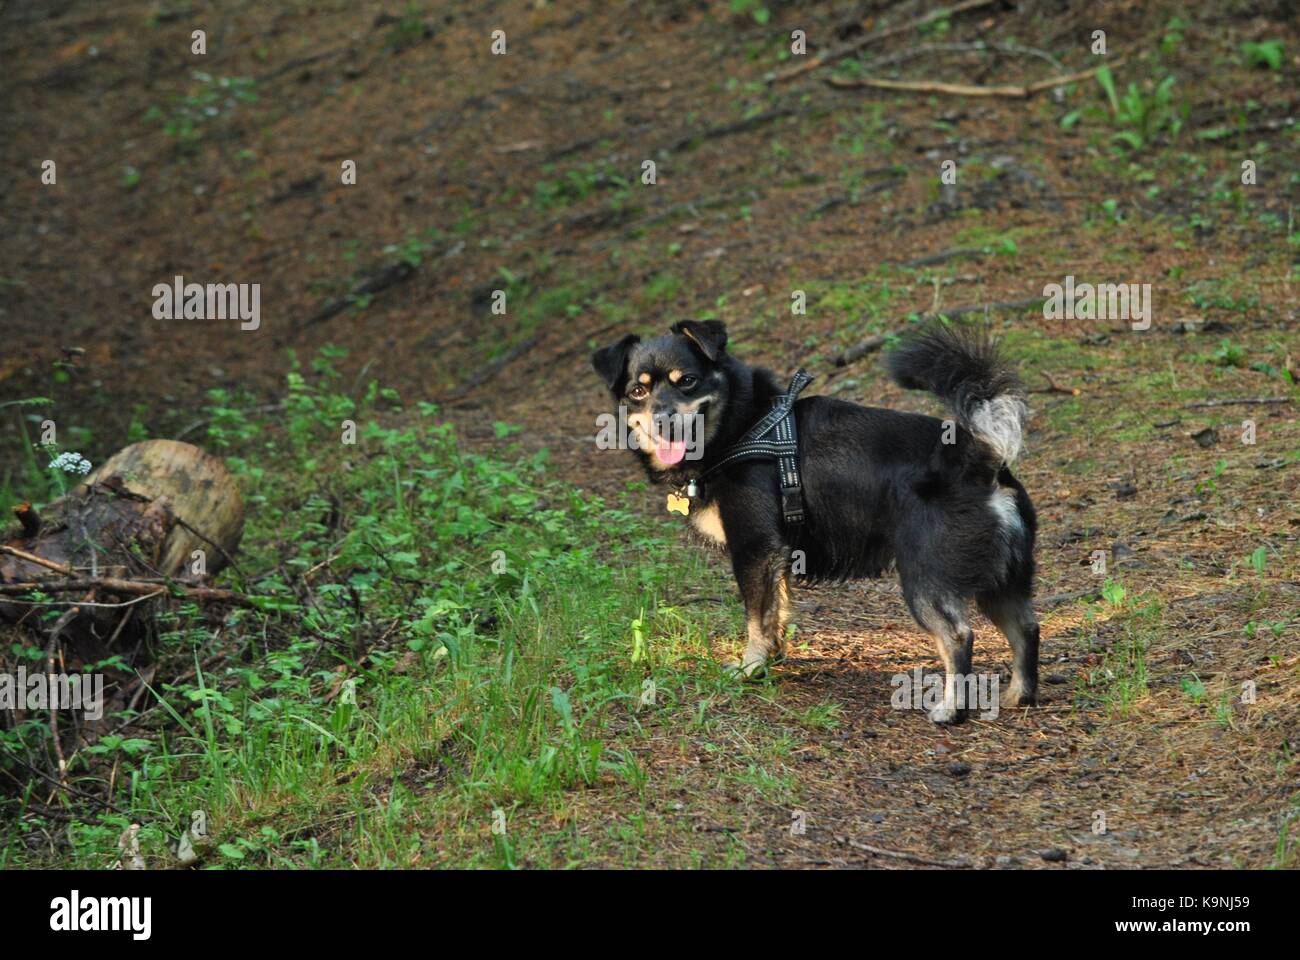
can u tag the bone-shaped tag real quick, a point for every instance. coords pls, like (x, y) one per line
(678, 504)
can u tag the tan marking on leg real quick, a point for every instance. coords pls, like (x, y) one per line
(784, 610)
(757, 645)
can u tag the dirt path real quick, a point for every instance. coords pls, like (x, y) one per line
(522, 174)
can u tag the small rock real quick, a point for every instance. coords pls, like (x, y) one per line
(1206, 438)
(957, 769)
(1054, 855)
(1125, 490)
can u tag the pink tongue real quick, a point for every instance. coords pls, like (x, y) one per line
(670, 451)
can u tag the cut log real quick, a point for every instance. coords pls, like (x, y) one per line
(201, 492)
(142, 514)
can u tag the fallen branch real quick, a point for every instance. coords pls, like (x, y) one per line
(728, 129)
(490, 370)
(860, 350)
(55, 737)
(841, 52)
(1092, 593)
(151, 586)
(1054, 387)
(932, 259)
(1244, 401)
(967, 90)
(978, 46)
(377, 282)
(910, 857)
(33, 558)
(955, 312)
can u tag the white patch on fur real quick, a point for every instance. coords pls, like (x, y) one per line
(946, 710)
(999, 423)
(1003, 503)
(708, 522)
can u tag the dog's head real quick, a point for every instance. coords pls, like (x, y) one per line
(674, 389)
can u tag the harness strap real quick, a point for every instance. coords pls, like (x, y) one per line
(782, 446)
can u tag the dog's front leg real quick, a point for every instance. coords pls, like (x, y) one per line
(763, 587)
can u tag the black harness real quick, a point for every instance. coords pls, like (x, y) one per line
(772, 438)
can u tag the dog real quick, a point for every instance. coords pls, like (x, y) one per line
(881, 488)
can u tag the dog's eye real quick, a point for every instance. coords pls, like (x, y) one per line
(687, 383)
(638, 391)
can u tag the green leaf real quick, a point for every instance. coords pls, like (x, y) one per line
(1267, 54)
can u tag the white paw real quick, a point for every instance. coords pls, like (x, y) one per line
(943, 713)
(1015, 696)
(750, 669)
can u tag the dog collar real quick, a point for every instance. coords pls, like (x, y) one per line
(772, 438)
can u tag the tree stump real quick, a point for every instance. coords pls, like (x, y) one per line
(156, 511)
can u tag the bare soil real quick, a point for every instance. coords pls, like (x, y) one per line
(523, 172)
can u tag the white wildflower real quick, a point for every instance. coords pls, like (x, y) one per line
(70, 462)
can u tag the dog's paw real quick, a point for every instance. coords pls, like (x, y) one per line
(746, 670)
(1015, 697)
(944, 713)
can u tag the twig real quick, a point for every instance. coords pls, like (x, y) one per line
(117, 585)
(909, 857)
(954, 312)
(490, 370)
(106, 804)
(1054, 387)
(860, 350)
(978, 46)
(1092, 593)
(376, 282)
(932, 259)
(39, 561)
(220, 549)
(59, 626)
(88, 604)
(1244, 401)
(727, 129)
(965, 89)
(841, 52)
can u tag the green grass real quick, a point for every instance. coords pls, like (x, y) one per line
(1121, 680)
(443, 635)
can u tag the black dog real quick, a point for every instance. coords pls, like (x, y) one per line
(934, 498)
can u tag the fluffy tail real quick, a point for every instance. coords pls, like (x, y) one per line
(964, 368)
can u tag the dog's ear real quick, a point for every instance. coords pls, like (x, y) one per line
(610, 362)
(709, 335)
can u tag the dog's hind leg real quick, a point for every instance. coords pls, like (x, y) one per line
(945, 619)
(1014, 616)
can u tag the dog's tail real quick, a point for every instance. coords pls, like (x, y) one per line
(963, 367)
